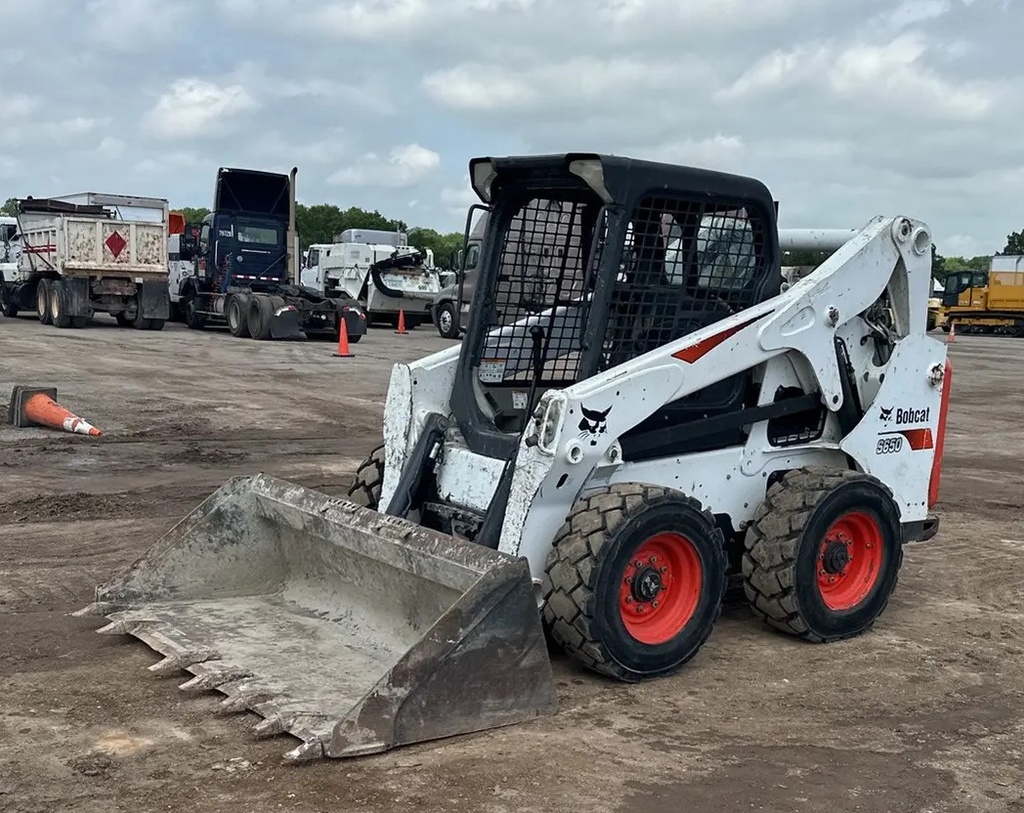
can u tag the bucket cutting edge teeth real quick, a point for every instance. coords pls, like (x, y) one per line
(123, 626)
(98, 609)
(308, 751)
(245, 700)
(181, 661)
(213, 679)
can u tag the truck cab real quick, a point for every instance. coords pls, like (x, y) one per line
(243, 242)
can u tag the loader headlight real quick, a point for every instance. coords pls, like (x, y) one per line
(550, 424)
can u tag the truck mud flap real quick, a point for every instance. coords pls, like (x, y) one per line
(156, 300)
(352, 631)
(284, 323)
(77, 302)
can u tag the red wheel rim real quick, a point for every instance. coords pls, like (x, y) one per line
(850, 560)
(660, 588)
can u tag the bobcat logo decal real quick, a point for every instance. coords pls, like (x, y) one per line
(593, 423)
(884, 413)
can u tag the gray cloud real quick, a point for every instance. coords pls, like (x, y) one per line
(846, 108)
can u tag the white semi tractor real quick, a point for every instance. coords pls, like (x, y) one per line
(379, 269)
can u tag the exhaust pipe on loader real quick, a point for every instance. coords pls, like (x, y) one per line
(352, 631)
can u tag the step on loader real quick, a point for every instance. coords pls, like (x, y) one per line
(641, 411)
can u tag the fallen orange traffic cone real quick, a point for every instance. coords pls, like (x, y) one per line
(401, 321)
(951, 336)
(343, 351)
(37, 406)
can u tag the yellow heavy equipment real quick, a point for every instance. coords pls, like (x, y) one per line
(986, 301)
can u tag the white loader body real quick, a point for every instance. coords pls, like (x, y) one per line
(790, 337)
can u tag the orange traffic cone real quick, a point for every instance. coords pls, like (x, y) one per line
(34, 406)
(401, 321)
(951, 336)
(343, 351)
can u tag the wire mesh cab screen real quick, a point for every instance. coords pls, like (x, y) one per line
(683, 263)
(541, 276)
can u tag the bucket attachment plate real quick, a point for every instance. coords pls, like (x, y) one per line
(353, 631)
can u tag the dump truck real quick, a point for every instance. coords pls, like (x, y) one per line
(379, 270)
(91, 253)
(985, 301)
(246, 270)
(589, 468)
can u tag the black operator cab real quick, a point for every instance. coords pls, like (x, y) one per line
(607, 258)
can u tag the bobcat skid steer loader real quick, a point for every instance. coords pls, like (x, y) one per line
(640, 411)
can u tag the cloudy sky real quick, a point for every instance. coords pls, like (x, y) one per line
(845, 108)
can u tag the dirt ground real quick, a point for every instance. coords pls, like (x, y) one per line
(924, 713)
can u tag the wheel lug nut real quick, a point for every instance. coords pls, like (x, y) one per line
(640, 608)
(654, 604)
(629, 579)
(654, 560)
(629, 599)
(663, 569)
(639, 563)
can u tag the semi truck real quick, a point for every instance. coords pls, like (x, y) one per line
(245, 265)
(380, 270)
(449, 311)
(90, 253)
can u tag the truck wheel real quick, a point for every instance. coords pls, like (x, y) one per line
(193, 319)
(8, 307)
(447, 320)
(139, 322)
(365, 489)
(634, 581)
(261, 311)
(823, 553)
(156, 324)
(238, 315)
(43, 301)
(58, 304)
(122, 319)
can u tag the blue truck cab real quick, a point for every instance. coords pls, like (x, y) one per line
(245, 266)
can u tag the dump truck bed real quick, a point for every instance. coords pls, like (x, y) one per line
(77, 245)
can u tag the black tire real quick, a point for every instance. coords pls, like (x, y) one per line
(795, 574)
(156, 324)
(355, 339)
(365, 489)
(139, 322)
(122, 319)
(447, 319)
(261, 311)
(43, 301)
(237, 315)
(193, 319)
(58, 300)
(8, 307)
(592, 556)
(78, 322)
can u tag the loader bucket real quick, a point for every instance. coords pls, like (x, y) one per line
(352, 631)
